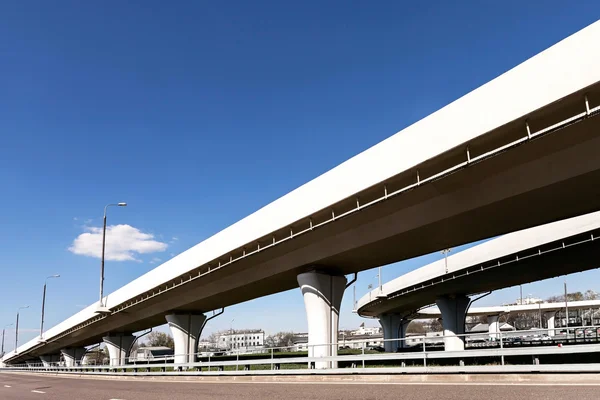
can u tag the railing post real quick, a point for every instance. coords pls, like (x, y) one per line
(237, 359)
(424, 353)
(363, 355)
(271, 358)
(501, 348)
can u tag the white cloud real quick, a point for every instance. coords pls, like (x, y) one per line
(155, 260)
(123, 243)
(75, 219)
(174, 239)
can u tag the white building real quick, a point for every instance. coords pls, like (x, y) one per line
(242, 340)
(361, 331)
(529, 300)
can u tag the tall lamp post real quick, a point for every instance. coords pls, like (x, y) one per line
(102, 308)
(3, 330)
(445, 253)
(44, 302)
(17, 328)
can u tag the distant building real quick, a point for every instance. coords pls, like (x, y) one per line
(152, 353)
(242, 340)
(484, 328)
(205, 345)
(528, 300)
(367, 337)
(366, 331)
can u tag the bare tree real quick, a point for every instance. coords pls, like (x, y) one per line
(590, 295)
(97, 356)
(160, 339)
(416, 327)
(575, 296)
(280, 339)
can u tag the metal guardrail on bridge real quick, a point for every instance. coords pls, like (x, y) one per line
(281, 360)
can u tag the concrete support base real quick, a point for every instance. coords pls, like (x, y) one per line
(493, 327)
(118, 348)
(32, 363)
(186, 330)
(322, 298)
(550, 318)
(453, 309)
(73, 355)
(394, 327)
(50, 360)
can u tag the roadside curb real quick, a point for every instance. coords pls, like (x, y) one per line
(431, 379)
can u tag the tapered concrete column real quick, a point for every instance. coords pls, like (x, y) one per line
(50, 360)
(118, 348)
(550, 318)
(493, 327)
(32, 363)
(73, 355)
(453, 309)
(394, 327)
(322, 299)
(186, 330)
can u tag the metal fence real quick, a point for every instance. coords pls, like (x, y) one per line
(414, 354)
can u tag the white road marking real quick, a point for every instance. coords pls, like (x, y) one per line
(7, 386)
(37, 391)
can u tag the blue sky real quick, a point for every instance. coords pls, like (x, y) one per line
(199, 113)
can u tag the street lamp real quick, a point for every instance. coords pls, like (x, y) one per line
(44, 302)
(445, 253)
(380, 295)
(17, 328)
(103, 309)
(3, 330)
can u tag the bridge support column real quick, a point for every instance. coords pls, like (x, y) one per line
(50, 360)
(186, 330)
(73, 355)
(118, 348)
(493, 327)
(550, 318)
(322, 299)
(454, 311)
(394, 327)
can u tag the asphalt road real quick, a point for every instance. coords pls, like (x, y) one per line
(27, 387)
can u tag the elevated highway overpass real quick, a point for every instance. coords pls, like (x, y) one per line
(493, 313)
(482, 166)
(533, 254)
(434, 312)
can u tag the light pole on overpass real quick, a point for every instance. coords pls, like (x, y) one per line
(44, 302)
(3, 331)
(231, 334)
(445, 253)
(17, 328)
(102, 308)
